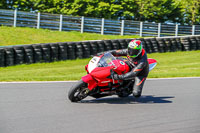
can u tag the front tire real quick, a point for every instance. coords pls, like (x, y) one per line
(78, 92)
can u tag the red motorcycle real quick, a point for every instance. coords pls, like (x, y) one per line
(99, 81)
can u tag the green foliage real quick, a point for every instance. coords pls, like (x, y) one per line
(181, 11)
(158, 11)
(191, 11)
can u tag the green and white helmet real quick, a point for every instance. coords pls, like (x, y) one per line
(134, 48)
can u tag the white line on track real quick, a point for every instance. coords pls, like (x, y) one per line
(77, 80)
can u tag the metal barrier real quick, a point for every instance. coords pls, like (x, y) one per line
(94, 25)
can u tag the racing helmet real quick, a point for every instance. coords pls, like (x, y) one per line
(134, 48)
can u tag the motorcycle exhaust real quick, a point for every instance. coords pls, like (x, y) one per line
(109, 93)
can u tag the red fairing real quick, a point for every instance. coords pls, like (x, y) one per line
(90, 81)
(86, 68)
(101, 72)
(122, 68)
(151, 61)
(97, 76)
(100, 76)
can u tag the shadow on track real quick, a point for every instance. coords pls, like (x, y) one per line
(131, 100)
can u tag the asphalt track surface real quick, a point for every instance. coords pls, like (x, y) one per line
(167, 106)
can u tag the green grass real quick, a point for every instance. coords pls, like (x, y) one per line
(175, 64)
(20, 36)
(56, 71)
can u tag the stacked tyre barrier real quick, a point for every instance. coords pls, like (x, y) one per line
(49, 52)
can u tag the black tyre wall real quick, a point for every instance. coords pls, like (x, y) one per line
(62, 51)
(168, 44)
(128, 41)
(108, 45)
(198, 42)
(173, 46)
(79, 50)
(2, 57)
(71, 52)
(193, 43)
(54, 51)
(144, 45)
(148, 45)
(46, 52)
(37, 52)
(186, 43)
(101, 46)
(94, 48)
(9, 56)
(86, 49)
(19, 54)
(123, 43)
(162, 45)
(29, 54)
(155, 46)
(115, 44)
(179, 46)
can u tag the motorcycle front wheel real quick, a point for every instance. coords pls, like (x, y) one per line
(78, 92)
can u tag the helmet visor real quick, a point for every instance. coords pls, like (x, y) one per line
(133, 52)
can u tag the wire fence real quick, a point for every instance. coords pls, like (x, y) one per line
(94, 25)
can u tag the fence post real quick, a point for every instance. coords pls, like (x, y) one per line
(61, 21)
(122, 28)
(15, 18)
(102, 26)
(38, 20)
(159, 29)
(176, 31)
(141, 28)
(82, 24)
(193, 29)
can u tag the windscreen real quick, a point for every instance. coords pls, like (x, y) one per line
(108, 60)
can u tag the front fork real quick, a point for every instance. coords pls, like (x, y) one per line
(90, 81)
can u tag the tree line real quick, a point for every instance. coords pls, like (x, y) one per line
(159, 11)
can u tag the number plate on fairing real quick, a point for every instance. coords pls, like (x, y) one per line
(93, 63)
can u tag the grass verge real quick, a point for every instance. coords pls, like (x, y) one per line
(20, 36)
(175, 64)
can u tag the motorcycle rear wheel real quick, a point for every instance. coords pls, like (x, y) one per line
(78, 92)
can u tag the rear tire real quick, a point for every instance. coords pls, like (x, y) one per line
(78, 92)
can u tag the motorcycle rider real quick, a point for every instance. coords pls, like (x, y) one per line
(137, 58)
